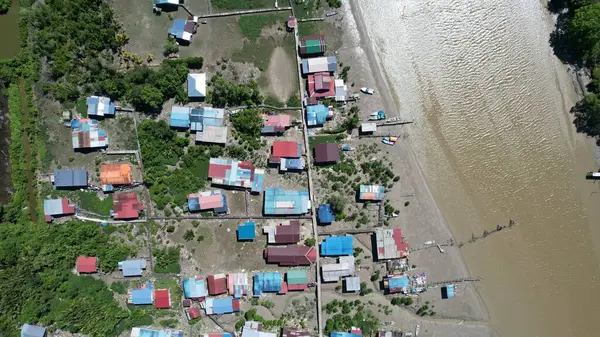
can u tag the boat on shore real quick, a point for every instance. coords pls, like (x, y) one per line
(368, 91)
(331, 13)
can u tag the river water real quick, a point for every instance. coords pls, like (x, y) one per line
(493, 134)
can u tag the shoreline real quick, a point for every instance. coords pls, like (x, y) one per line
(388, 100)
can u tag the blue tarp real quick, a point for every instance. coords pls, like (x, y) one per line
(247, 231)
(337, 246)
(29, 330)
(194, 288)
(325, 214)
(398, 282)
(267, 282)
(142, 296)
(70, 178)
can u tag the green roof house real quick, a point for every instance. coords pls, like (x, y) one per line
(312, 45)
(297, 280)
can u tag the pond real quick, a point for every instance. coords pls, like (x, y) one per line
(9, 26)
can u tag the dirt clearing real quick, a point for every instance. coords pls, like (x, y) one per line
(281, 74)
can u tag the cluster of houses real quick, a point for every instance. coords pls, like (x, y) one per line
(126, 206)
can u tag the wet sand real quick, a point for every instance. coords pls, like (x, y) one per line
(495, 140)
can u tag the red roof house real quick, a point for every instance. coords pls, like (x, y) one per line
(320, 85)
(162, 299)
(287, 149)
(217, 284)
(126, 206)
(277, 120)
(326, 153)
(291, 256)
(192, 313)
(287, 232)
(86, 264)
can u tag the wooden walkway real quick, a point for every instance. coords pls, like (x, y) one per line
(251, 11)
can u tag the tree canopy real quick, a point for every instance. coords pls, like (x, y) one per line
(226, 93)
(587, 115)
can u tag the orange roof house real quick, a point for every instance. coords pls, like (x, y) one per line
(116, 174)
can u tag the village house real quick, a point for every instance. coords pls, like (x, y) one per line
(371, 193)
(296, 280)
(217, 284)
(317, 115)
(352, 284)
(320, 85)
(312, 45)
(234, 173)
(279, 201)
(254, 329)
(142, 295)
(70, 179)
(29, 330)
(87, 135)
(116, 174)
(194, 288)
(325, 215)
(287, 155)
(291, 256)
(214, 201)
(183, 30)
(275, 124)
(333, 272)
(288, 232)
(393, 284)
(162, 299)
(219, 306)
(126, 206)
(390, 244)
(86, 265)
(327, 153)
(337, 246)
(289, 332)
(319, 64)
(267, 282)
(196, 85)
(100, 107)
(54, 208)
(246, 231)
(145, 332)
(132, 268)
(212, 135)
(238, 284)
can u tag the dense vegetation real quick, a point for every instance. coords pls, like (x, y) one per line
(36, 283)
(170, 172)
(247, 124)
(4, 6)
(226, 93)
(576, 40)
(348, 314)
(167, 260)
(242, 4)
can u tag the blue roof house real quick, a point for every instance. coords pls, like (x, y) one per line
(343, 334)
(206, 116)
(100, 107)
(286, 202)
(132, 267)
(180, 117)
(219, 306)
(267, 282)
(143, 295)
(246, 231)
(325, 214)
(182, 30)
(29, 330)
(337, 246)
(194, 287)
(316, 115)
(70, 178)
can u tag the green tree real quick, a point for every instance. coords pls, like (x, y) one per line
(587, 115)
(171, 46)
(4, 6)
(227, 93)
(189, 235)
(584, 28)
(311, 242)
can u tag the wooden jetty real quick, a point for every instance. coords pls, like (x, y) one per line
(251, 11)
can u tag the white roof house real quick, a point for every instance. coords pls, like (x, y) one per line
(197, 85)
(333, 272)
(352, 284)
(368, 127)
(340, 90)
(212, 134)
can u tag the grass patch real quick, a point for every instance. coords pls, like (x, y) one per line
(82, 107)
(272, 100)
(308, 28)
(312, 141)
(173, 286)
(242, 4)
(252, 25)
(120, 287)
(167, 260)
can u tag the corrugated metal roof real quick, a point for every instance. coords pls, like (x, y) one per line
(352, 283)
(288, 332)
(337, 246)
(194, 287)
(287, 149)
(238, 285)
(132, 267)
(316, 114)
(319, 64)
(286, 202)
(217, 284)
(29, 330)
(371, 192)
(70, 178)
(291, 256)
(368, 127)
(212, 134)
(246, 231)
(142, 295)
(126, 206)
(100, 106)
(298, 276)
(325, 214)
(267, 282)
(333, 272)
(197, 85)
(85, 264)
(327, 153)
(162, 299)
(218, 306)
(389, 244)
(116, 174)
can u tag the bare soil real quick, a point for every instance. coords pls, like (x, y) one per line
(281, 74)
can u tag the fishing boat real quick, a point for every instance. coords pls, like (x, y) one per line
(331, 13)
(347, 148)
(368, 91)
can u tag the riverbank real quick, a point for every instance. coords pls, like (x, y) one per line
(493, 135)
(421, 221)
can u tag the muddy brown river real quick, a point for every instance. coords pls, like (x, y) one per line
(493, 134)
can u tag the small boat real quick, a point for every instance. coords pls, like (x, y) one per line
(331, 13)
(203, 22)
(368, 91)
(377, 116)
(593, 176)
(389, 140)
(347, 148)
